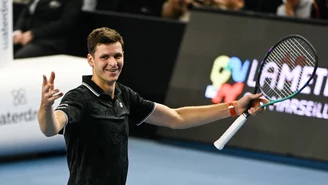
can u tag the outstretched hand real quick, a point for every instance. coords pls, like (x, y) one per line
(49, 93)
(256, 99)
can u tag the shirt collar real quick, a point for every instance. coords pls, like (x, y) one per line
(95, 89)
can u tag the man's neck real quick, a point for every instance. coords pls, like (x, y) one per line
(108, 88)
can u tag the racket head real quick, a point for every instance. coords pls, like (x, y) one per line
(286, 69)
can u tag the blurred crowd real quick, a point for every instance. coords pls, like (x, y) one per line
(43, 25)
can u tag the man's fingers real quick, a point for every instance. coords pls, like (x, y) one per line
(45, 80)
(51, 93)
(264, 100)
(256, 110)
(252, 111)
(52, 77)
(47, 88)
(55, 97)
(48, 84)
(51, 96)
(258, 95)
(255, 102)
(258, 99)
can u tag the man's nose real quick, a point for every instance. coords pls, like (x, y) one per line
(112, 61)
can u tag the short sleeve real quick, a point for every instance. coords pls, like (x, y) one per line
(140, 108)
(72, 105)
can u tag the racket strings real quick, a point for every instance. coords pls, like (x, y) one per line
(277, 55)
(296, 54)
(284, 49)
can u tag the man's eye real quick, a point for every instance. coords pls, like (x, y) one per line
(105, 57)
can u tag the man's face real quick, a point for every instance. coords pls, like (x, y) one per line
(107, 62)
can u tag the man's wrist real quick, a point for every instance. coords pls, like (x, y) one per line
(232, 109)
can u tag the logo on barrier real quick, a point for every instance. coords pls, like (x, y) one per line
(18, 114)
(224, 69)
(4, 24)
(19, 97)
(230, 76)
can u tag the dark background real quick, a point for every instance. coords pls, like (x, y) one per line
(169, 62)
(248, 37)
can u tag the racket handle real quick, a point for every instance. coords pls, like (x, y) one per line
(227, 135)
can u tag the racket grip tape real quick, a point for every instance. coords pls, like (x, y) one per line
(230, 132)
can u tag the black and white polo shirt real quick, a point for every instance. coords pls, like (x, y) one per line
(97, 130)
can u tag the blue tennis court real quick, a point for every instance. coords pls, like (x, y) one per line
(156, 163)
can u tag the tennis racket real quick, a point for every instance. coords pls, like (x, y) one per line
(285, 71)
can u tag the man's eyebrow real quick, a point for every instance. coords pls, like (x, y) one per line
(104, 55)
(119, 53)
(114, 54)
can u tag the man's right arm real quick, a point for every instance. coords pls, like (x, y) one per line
(50, 121)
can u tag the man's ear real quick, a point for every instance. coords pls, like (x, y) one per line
(90, 60)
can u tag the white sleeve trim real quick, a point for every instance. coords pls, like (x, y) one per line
(147, 115)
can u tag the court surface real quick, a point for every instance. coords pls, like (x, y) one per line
(154, 163)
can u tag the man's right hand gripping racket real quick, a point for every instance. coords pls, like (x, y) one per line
(285, 71)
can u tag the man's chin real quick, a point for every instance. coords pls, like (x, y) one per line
(112, 79)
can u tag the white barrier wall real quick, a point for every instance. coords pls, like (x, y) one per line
(6, 24)
(20, 94)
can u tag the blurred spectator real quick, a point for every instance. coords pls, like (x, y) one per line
(89, 5)
(143, 7)
(262, 6)
(139, 7)
(44, 26)
(21, 1)
(304, 9)
(295, 8)
(320, 9)
(179, 9)
(110, 5)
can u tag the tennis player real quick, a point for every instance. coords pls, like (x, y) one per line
(94, 117)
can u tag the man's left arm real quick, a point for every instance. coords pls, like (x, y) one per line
(192, 116)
